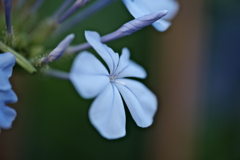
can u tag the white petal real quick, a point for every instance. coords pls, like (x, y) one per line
(136, 8)
(141, 102)
(107, 113)
(143, 7)
(108, 55)
(133, 70)
(124, 60)
(7, 115)
(88, 75)
(162, 25)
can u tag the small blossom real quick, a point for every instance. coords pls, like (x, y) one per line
(7, 114)
(139, 8)
(92, 79)
(59, 50)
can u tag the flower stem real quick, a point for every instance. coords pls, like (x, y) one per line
(19, 58)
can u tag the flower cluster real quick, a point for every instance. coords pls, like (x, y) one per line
(88, 75)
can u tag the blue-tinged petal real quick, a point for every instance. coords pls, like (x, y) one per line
(137, 9)
(107, 113)
(124, 60)
(141, 102)
(107, 54)
(8, 96)
(143, 7)
(88, 75)
(152, 6)
(7, 61)
(132, 70)
(161, 25)
(7, 115)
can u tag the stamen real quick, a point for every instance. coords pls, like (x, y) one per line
(113, 77)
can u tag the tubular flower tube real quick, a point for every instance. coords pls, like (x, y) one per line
(92, 79)
(7, 8)
(139, 8)
(7, 115)
(78, 4)
(59, 50)
(126, 29)
(37, 5)
(62, 8)
(81, 16)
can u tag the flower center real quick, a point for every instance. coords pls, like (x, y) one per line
(113, 77)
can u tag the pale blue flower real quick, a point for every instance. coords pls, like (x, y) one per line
(7, 115)
(139, 8)
(92, 79)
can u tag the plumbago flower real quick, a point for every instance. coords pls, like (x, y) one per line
(139, 8)
(92, 79)
(7, 115)
(32, 47)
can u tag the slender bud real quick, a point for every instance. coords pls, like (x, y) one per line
(126, 29)
(59, 50)
(20, 3)
(78, 4)
(36, 6)
(62, 8)
(81, 16)
(7, 8)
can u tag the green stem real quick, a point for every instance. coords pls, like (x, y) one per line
(19, 58)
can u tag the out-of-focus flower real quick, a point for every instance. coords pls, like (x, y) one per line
(91, 78)
(139, 8)
(7, 114)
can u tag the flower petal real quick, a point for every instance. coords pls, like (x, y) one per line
(141, 102)
(128, 68)
(108, 55)
(7, 61)
(107, 113)
(143, 7)
(7, 115)
(161, 25)
(124, 60)
(88, 75)
(8, 96)
(132, 70)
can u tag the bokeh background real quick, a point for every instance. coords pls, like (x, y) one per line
(193, 68)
